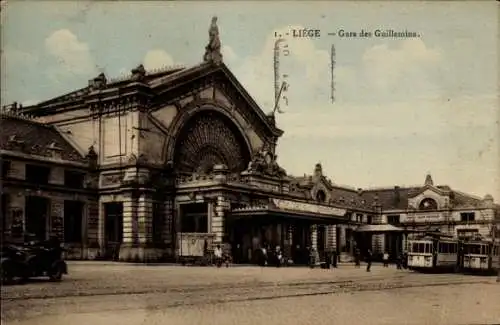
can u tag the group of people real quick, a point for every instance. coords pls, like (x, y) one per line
(401, 259)
(266, 257)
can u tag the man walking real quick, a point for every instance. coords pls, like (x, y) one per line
(386, 259)
(368, 260)
(218, 256)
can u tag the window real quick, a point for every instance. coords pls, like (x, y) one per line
(369, 220)
(393, 219)
(467, 216)
(73, 216)
(320, 196)
(6, 165)
(194, 218)
(37, 174)
(359, 217)
(428, 204)
(73, 179)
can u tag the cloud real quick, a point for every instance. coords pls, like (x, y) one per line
(72, 54)
(156, 59)
(385, 68)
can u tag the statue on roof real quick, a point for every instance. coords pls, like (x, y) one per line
(138, 73)
(213, 49)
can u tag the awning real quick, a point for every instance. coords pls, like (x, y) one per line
(380, 228)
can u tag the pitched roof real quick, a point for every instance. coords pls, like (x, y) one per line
(26, 136)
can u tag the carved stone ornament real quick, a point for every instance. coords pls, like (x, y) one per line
(112, 179)
(264, 162)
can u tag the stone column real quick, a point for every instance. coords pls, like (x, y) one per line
(342, 240)
(56, 218)
(217, 220)
(130, 222)
(314, 240)
(168, 229)
(91, 225)
(287, 250)
(378, 241)
(331, 236)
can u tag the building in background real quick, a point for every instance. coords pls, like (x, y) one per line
(166, 164)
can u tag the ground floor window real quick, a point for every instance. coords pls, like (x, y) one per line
(194, 218)
(36, 217)
(73, 218)
(113, 214)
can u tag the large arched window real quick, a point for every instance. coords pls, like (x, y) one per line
(428, 204)
(210, 138)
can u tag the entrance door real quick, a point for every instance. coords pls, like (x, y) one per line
(36, 212)
(113, 229)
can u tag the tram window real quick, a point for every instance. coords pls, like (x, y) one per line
(428, 248)
(421, 248)
(414, 248)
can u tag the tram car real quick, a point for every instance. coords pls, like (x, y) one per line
(431, 254)
(481, 256)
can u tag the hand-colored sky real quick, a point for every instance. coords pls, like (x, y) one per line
(404, 107)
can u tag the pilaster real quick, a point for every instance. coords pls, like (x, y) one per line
(378, 242)
(91, 230)
(217, 220)
(137, 244)
(331, 238)
(56, 223)
(314, 241)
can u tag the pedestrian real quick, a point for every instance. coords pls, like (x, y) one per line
(218, 256)
(368, 260)
(335, 258)
(263, 256)
(385, 258)
(357, 258)
(399, 261)
(405, 260)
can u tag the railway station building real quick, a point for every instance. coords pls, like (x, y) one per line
(165, 164)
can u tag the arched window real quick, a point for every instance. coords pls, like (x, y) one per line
(321, 196)
(428, 204)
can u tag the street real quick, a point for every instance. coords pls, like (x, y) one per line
(112, 293)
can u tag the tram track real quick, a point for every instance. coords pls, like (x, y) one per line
(400, 281)
(157, 300)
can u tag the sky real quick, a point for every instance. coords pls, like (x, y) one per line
(404, 107)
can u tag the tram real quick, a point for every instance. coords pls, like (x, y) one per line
(433, 253)
(481, 255)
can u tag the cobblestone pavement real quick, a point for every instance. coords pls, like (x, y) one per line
(100, 289)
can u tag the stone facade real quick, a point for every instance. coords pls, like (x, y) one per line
(158, 148)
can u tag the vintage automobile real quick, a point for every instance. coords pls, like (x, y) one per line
(33, 260)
